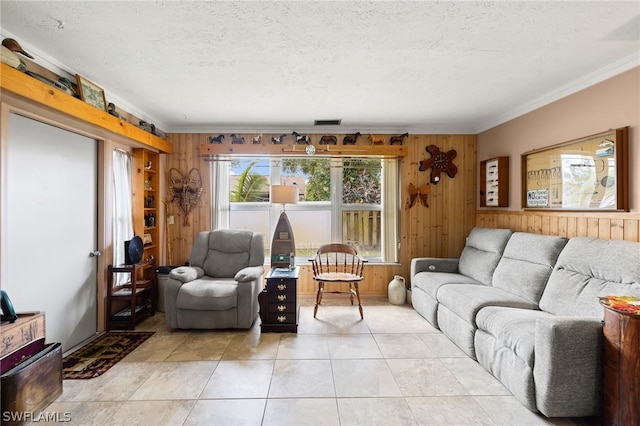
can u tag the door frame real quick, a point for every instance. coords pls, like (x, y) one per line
(14, 104)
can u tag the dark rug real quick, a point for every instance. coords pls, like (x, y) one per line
(101, 354)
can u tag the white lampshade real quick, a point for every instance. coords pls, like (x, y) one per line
(283, 194)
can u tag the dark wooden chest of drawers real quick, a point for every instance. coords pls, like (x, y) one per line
(278, 301)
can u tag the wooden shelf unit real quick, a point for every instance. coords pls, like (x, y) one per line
(131, 302)
(147, 200)
(494, 182)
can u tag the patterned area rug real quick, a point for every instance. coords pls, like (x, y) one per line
(101, 354)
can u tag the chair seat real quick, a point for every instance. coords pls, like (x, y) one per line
(337, 277)
(338, 263)
(206, 295)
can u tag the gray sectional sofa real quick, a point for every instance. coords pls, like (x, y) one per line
(526, 307)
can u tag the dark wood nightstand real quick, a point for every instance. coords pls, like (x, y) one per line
(278, 301)
(621, 368)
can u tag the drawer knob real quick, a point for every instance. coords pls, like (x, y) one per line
(282, 318)
(282, 286)
(282, 297)
(282, 308)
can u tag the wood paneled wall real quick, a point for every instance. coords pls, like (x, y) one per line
(609, 226)
(438, 230)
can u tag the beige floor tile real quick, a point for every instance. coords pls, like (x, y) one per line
(302, 379)
(441, 347)
(448, 410)
(375, 411)
(397, 319)
(506, 410)
(402, 346)
(158, 347)
(226, 412)
(117, 384)
(240, 379)
(475, 379)
(307, 324)
(77, 413)
(301, 412)
(176, 380)
(342, 319)
(253, 346)
(202, 346)
(353, 346)
(363, 378)
(145, 413)
(301, 346)
(424, 377)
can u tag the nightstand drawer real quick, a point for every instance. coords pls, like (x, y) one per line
(281, 285)
(280, 308)
(280, 297)
(282, 318)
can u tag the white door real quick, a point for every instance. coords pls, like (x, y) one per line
(52, 228)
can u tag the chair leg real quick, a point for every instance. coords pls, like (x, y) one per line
(358, 296)
(318, 298)
(351, 293)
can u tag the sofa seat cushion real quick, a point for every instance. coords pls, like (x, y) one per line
(465, 300)
(513, 328)
(430, 282)
(208, 294)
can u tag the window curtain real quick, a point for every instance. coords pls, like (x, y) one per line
(122, 206)
(390, 210)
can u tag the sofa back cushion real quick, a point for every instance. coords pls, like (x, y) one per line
(482, 253)
(526, 264)
(223, 252)
(589, 268)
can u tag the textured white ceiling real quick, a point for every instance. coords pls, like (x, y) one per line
(421, 66)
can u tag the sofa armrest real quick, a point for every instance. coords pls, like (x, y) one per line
(250, 273)
(568, 366)
(186, 273)
(433, 264)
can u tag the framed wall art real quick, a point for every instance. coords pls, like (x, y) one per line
(589, 173)
(91, 93)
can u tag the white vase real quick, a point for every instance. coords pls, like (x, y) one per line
(397, 291)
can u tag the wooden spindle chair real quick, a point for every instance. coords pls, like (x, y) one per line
(338, 263)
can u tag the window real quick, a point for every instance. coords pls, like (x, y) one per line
(348, 200)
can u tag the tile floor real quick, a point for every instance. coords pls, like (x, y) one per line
(393, 368)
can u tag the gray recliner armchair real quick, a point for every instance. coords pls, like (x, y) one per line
(220, 287)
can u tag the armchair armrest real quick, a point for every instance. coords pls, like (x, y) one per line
(185, 274)
(250, 273)
(568, 366)
(434, 264)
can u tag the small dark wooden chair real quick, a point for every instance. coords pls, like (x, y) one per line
(338, 263)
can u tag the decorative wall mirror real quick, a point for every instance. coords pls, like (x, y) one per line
(590, 173)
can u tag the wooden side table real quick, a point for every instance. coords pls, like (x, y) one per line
(621, 368)
(278, 301)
